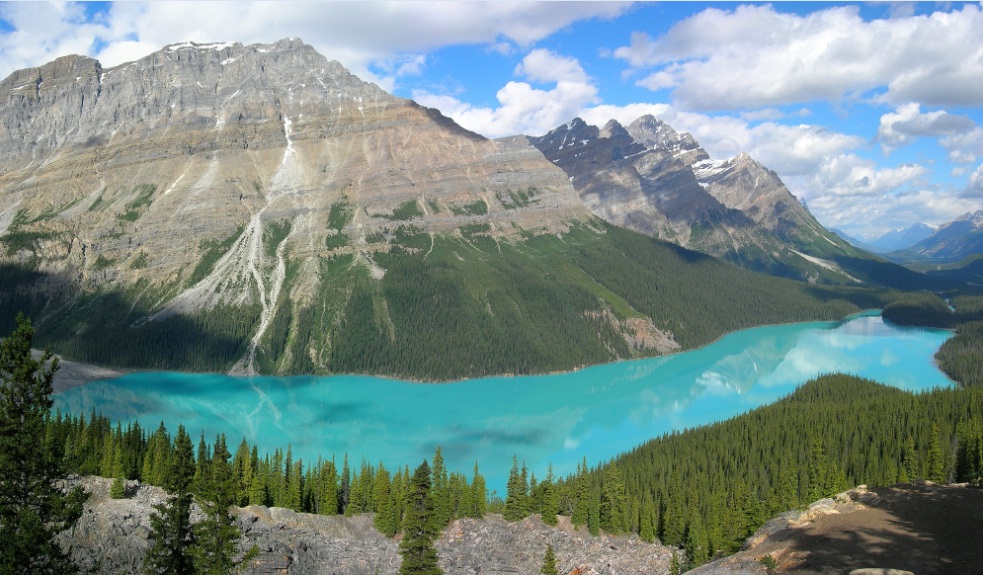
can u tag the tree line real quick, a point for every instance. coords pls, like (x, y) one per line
(704, 489)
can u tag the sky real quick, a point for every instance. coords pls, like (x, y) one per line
(871, 113)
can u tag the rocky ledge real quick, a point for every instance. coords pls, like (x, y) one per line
(906, 529)
(114, 534)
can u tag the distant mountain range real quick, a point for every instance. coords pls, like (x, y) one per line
(891, 241)
(258, 209)
(957, 240)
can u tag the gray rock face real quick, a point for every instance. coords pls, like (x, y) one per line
(114, 534)
(126, 178)
(654, 180)
(144, 161)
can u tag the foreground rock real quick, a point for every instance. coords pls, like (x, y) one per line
(113, 536)
(920, 529)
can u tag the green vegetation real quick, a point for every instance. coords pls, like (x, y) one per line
(549, 562)
(406, 211)
(273, 235)
(144, 197)
(478, 208)
(704, 489)
(102, 262)
(416, 547)
(17, 239)
(140, 261)
(446, 307)
(214, 250)
(33, 507)
(709, 488)
(340, 215)
(517, 199)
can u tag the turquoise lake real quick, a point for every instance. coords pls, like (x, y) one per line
(595, 412)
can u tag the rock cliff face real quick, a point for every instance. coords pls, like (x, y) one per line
(114, 534)
(652, 179)
(195, 177)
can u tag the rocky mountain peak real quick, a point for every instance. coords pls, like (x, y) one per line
(654, 133)
(976, 218)
(658, 181)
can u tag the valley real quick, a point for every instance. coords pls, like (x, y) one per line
(253, 243)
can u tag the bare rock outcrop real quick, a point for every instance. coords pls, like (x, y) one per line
(114, 534)
(920, 528)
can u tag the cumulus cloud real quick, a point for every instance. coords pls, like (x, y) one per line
(545, 66)
(758, 57)
(42, 32)
(966, 147)
(524, 109)
(975, 188)
(853, 193)
(908, 122)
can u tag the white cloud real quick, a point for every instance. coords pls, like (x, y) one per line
(524, 109)
(43, 31)
(975, 188)
(966, 147)
(853, 193)
(542, 65)
(758, 56)
(908, 122)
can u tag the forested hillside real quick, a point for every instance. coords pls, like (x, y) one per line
(446, 307)
(704, 489)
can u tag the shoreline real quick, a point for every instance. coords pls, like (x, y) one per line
(74, 374)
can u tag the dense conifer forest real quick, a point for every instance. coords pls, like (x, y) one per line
(448, 307)
(704, 489)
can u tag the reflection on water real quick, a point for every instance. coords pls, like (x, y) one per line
(594, 413)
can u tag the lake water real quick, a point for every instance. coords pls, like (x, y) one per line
(595, 412)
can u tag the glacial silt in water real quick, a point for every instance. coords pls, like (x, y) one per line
(595, 412)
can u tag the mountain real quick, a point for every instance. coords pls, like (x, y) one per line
(857, 243)
(258, 209)
(651, 179)
(903, 238)
(957, 240)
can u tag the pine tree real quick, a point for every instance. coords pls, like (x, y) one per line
(613, 501)
(171, 522)
(440, 492)
(32, 507)
(419, 554)
(581, 495)
(648, 520)
(216, 535)
(551, 501)
(936, 457)
(118, 488)
(516, 493)
(382, 496)
(479, 497)
(549, 562)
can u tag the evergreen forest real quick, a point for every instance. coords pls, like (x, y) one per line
(448, 307)
(704, 489)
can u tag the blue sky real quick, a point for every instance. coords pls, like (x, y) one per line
(870, 113)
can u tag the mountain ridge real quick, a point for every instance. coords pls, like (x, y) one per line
(261, 210)
(953, 241)
(651, 179)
